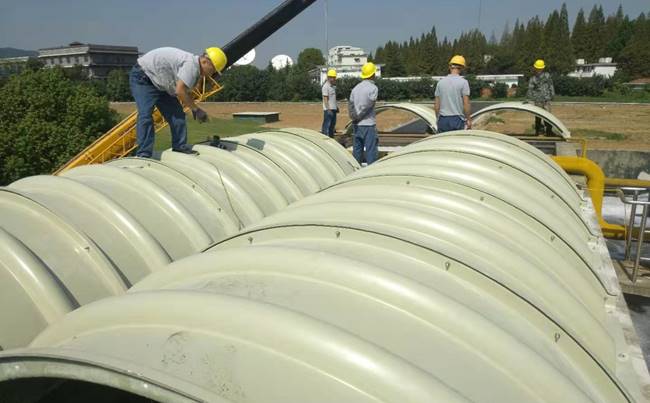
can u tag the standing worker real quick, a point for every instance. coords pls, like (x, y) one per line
(161, 78)
(452, 104)
(541, 91)
(330, 107)
(361, 109)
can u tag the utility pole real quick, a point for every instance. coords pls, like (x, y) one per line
(327, 38)
(480, 11)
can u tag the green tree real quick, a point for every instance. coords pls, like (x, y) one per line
(635, 58)
(429, 52)
(117, 86)
(309, 59)
(531, 46)
(557, 49)
(379, 55)
(472, 45)
(301, 87)
(393, 61)
(244, 84)
(620, 31)
(34, 64)
(277, 83)
(503, 54)
(596, 34)
(445, 51)
(580, 36)
(46, 119)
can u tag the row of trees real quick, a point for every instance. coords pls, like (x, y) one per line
(593, 37)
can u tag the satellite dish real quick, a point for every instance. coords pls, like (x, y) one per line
(247, 59)
(280, 62)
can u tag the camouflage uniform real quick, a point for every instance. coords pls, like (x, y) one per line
(541, 92)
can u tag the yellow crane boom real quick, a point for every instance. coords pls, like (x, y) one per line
(120, 141)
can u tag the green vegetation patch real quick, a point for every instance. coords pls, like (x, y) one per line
(198, 133)
(598, 134)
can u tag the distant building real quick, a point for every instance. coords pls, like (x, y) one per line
(605, 68)
(508, 79)
(96, 60)
(13, 65)
(346, 60)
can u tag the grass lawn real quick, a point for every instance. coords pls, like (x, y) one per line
(198, 133)
(597, 134)
(633, 98)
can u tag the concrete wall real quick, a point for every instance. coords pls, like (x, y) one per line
(621, 164)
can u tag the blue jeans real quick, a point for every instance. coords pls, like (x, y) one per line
(146, 98)
(329, 123)
(365, 137)
(450, 123)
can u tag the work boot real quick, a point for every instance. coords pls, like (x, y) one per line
(185, 150)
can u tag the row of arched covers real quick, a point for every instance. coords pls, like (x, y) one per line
(464, 268)
(93, 232)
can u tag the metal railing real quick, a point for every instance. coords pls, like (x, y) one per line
(630, 196)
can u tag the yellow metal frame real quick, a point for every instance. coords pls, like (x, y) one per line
(583, 146)
(120, 141)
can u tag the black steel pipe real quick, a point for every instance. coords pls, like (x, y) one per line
(264, 28)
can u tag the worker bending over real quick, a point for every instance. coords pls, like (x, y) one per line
(541, 91)
(330, 107)
(160, 79)
(361, 109)
(452, 104)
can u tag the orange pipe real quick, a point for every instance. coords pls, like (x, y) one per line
(595, 185)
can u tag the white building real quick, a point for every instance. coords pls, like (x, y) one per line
(507, 79)
(605, 68)
(346, 60)
(95, 60)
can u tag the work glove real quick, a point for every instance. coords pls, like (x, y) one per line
(200, 115)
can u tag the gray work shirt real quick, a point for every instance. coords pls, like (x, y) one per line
(165, 66)
(451, 90)
(362, 103)
(329, 91)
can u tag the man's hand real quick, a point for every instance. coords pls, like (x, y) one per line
(200, 115)
(468, 123)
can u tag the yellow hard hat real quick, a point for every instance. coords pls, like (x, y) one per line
(217, 57)
(458, 60)
(368, 70)
(331, 73)
(539, 64)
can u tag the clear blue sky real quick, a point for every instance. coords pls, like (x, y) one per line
(193, 25)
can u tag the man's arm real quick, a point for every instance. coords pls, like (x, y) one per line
(183, 93)
(467, 107)
(468, 111)
(436, 106)
(550, 82)
(326, 102)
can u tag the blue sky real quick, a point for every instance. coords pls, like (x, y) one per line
(33, 24)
